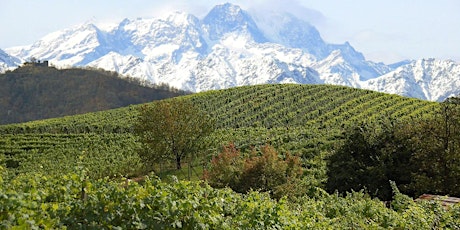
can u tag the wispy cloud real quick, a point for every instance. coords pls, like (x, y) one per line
(291, 6)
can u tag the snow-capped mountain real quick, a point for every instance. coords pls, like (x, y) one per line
(7, 61)
(229, 47)
(428, 79)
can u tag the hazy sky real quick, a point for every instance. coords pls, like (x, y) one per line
(383, 30)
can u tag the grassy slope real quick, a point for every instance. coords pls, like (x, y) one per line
(302, 119)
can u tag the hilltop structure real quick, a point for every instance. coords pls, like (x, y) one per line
(37, 63)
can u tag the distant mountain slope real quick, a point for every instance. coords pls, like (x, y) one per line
(428, 79)
(231, 47)
(7, 61)
(32, 93)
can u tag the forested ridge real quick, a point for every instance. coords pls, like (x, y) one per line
(38, 92)
(68, 172)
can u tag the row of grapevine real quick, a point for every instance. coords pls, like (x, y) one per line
(76, 202)
(103, 154)
(297, 105)
(109, 121)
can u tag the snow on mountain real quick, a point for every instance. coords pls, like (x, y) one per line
(7, 61)
(74, 46)
(286, 29)
(236, 61)
(228, 18)
(228, 48)
(428, 79)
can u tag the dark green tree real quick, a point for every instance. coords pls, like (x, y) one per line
(370, 156)
(421, 156)
(170, 130)
(436, 144)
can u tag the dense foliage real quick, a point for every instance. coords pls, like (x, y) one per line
(435, 144)
(420, 155)
(266, 172)
(33, 93)
(76, 202)
(171, 130)
(370, 156)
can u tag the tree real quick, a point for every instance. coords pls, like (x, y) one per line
(421, 155)
(370, 156)
(436, 145)
(170, 130)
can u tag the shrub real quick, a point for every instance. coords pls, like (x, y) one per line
(226, 168)
(264, 171)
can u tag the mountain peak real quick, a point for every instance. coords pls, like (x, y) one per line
(227, 14)
(227, 18)
(181, 18)
(227, 9)
(87, 26)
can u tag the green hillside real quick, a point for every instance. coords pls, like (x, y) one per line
(37, 92)
(260, 106)
(65, 172)
(287, 105)
(303, 119)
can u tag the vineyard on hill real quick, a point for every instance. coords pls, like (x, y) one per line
(302, 119)
(267, 106)
(65, 171)
(322, 106)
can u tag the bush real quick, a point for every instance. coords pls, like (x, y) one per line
(264, 171)
(226, 168)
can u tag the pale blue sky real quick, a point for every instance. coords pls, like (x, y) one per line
(384, 30)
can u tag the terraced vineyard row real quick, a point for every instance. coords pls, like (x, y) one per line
(297, 105)
(109, 121)
(101, 154)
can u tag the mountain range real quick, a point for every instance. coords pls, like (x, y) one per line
(230, 47)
